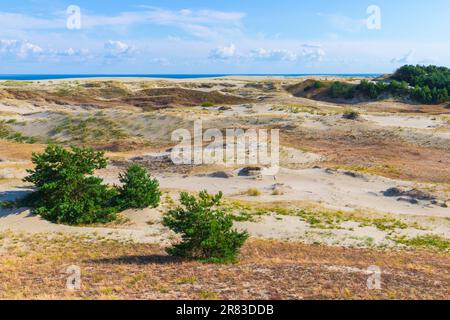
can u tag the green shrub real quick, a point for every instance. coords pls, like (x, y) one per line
(342, 90)
(318, 85)
(66, 190)
(138, 189)
(205, 229)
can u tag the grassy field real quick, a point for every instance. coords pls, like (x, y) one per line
(267, 270)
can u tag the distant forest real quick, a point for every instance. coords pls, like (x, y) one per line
(424, 84)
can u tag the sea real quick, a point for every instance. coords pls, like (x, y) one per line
(33, 77)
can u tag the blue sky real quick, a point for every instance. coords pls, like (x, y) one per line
(222, 36)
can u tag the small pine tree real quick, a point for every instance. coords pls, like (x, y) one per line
(206, 231)
(138, 189)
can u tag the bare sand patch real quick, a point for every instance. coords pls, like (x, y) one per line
(335, 190)
(416, 122)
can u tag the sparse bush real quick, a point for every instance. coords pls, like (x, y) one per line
(350, 114)
(277, 192)
(66, 190)
(253, 192)
(7, 133)
(207, 104)
(205, 229)
(138, 189)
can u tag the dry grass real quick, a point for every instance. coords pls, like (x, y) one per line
(252, 192)
(377, 152)
(14, 151)
(33, 267)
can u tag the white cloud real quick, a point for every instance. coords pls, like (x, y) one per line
(223, 53)
(273, 55)
(80, 55)
(17, 21)
(306, 52)
(199, 23)
(345, 23)
(71, 52)
(118, 49)
(19, 49)
(303, 53)
(312, 52)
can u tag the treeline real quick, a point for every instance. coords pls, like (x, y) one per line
(424, 84)
(424, 76)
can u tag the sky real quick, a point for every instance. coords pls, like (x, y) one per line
(221, 36)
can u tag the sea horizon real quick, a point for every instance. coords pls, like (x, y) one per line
(34, 77)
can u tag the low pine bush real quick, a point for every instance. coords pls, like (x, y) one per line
(205, 229)
(138, 189)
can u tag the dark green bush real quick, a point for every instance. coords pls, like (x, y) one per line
(369, 89)
(66, 190)
(342, 90)
(318, 85)
(138, 189)
(430, 96)
(205, 229)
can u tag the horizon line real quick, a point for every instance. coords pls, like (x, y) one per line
(60, 76)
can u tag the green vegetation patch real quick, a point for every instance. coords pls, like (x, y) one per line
(15, 83)
(7, 133)
(319, 219)
(92, 129)
(424, 84)
(427, 241)
(299, 109)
